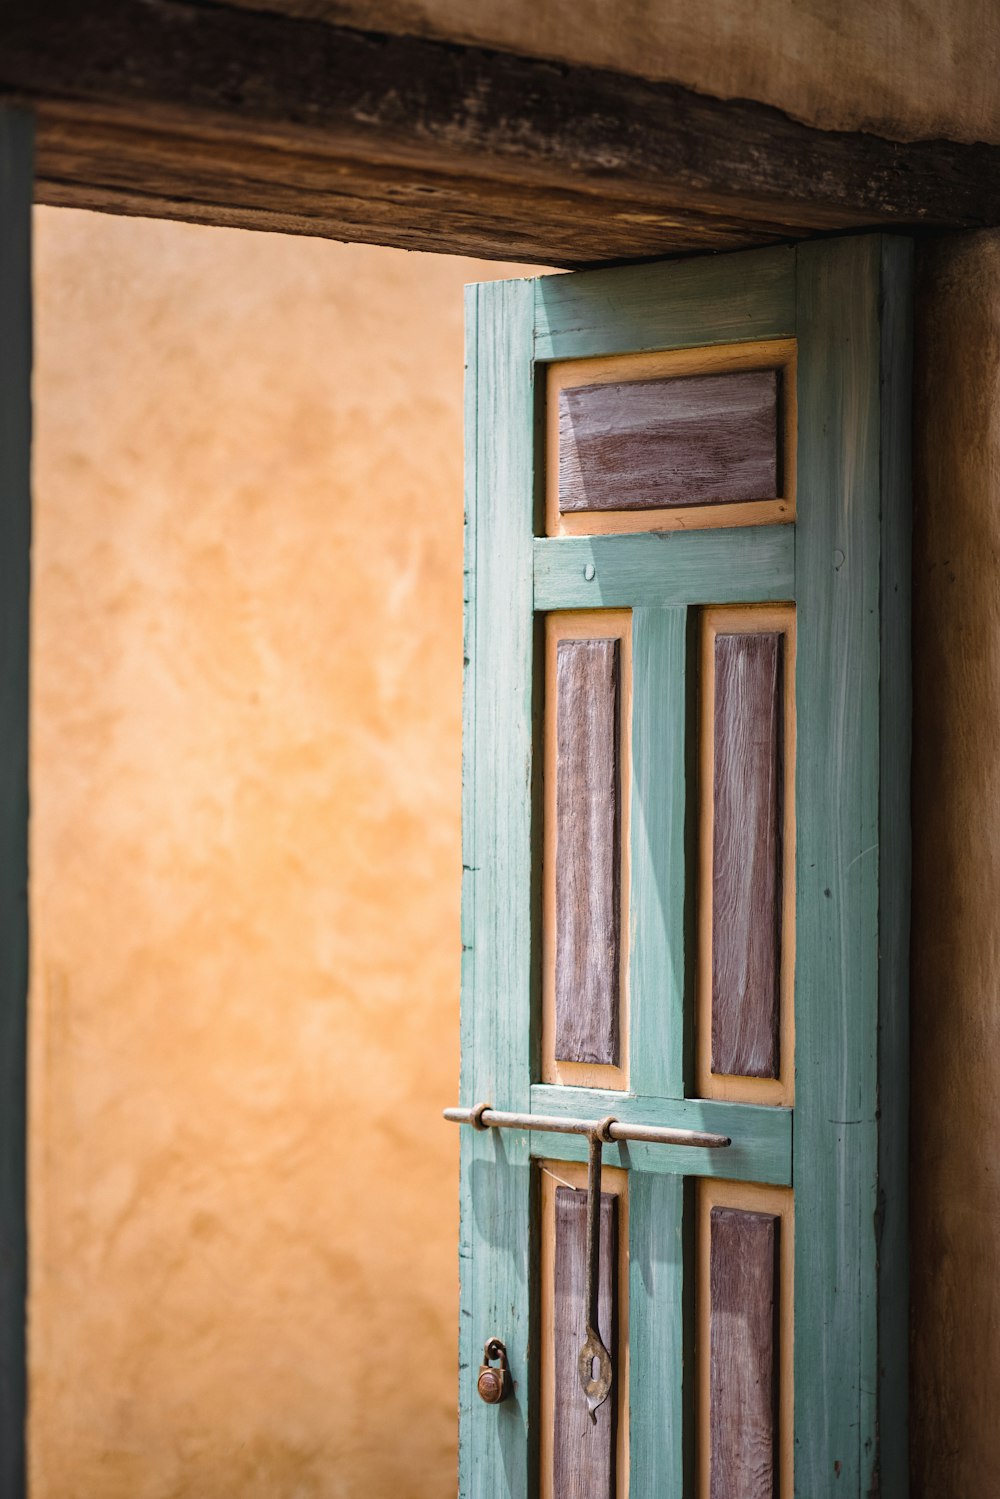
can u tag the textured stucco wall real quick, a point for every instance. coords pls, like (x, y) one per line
(245, 865)
(903, 68)
(955, 1117)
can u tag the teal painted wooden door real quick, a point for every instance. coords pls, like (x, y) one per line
(686, 870)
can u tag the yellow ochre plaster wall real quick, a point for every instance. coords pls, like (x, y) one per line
(245, 865)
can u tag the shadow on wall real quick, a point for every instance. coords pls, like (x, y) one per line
(245, 864)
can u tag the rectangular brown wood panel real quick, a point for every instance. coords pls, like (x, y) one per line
(744, 1354)
(746, 853)
(587, 851)
(583, 1454)
(691, 440)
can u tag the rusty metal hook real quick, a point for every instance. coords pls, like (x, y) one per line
(597, 1387)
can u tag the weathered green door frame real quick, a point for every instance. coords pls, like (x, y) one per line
(15, 542)
(845, 563)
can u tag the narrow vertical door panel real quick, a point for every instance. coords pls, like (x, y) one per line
(746, 853)
(744, 1355)
(587, 851)
(583, 1452)
(745, 1026)
(577, 1457)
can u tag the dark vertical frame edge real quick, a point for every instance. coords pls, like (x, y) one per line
(895, 688)
(16, 191)
(693, 792)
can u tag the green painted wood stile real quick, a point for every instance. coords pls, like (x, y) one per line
(497, 1222)
(853, 864)
(15, 541)
(844, 565)
(658, 966)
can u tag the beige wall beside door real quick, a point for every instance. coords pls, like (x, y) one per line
(245, 865)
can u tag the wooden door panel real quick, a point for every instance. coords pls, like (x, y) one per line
(745, 1340)
(588, 851)
(695, 440)
(583, 1452)
(586, 847)
(746, 854)
(679, 819)
(669, 440)
(745, 1044)
(576, 1456)
(743, 1354)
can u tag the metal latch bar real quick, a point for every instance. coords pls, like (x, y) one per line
(484, 1116)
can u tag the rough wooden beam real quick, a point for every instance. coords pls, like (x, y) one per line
(220, 115)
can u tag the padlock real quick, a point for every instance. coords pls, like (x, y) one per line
(493, 1384)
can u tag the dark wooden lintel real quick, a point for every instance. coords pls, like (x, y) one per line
(222, 115)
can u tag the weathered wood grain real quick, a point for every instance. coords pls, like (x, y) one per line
(746, 853)
(203, 112)
(583, 1454)
(744, 1354)
(649, 444)
(15, 547)
(587, 851)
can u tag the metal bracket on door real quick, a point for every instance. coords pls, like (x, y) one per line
(597, 1387)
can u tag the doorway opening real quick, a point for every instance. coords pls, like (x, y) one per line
(245, 859)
